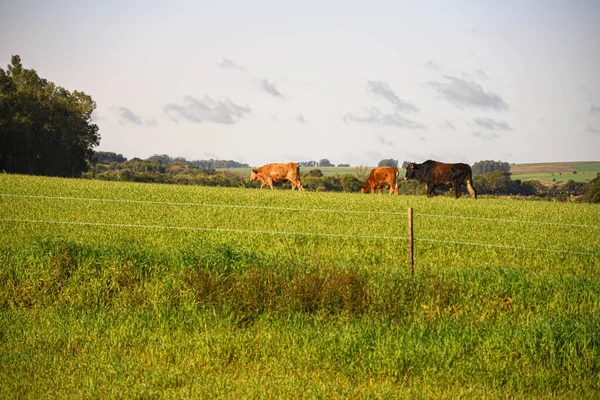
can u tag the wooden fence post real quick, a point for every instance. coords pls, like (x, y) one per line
(411, 259)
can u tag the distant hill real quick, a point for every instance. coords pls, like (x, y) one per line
(559, 172)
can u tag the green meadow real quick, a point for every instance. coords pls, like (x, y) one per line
(111, 289)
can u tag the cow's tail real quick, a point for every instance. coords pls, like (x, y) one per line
(469, 184)
(396, 181)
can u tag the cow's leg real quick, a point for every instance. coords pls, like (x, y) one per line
(270, 182)
(380, 189)
(431, 190)
(456, 189)
(297, 184)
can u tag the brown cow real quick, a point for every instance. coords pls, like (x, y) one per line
(380, 177)
(277, 172)
(433, 173)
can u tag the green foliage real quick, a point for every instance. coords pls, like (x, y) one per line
(350, 183)
(325, 163)
(483, 167)
(107, 157)
(44, 128)
(593, 192)
(388, 163)
(573, 187)
(315, 173)
(412, 187)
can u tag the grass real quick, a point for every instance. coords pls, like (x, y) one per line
(118, 310)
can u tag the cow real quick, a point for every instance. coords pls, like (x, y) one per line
(380, 177)
(277, 172)
(433, 173)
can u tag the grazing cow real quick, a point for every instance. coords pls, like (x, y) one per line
(380, 177)
(433, 173)
(277, 172)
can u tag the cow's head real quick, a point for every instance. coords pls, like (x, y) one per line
(365, 188)
(254, 175)
(410, 171)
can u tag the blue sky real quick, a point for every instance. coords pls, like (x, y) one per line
(350, 81)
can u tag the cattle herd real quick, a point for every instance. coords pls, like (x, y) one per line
(430, 173)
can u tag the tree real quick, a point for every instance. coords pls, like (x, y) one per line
(573, 187)
(44, 128)
(593, 192)
(350, 183)
(388, 163)
(483, 167)
(498, 182)
(106, 157)
(325, 163)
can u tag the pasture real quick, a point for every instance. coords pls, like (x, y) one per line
(112, 289)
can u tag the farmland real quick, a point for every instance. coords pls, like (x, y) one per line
(112, 289)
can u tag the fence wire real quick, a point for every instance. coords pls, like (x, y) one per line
(316, 234)
(217, 205)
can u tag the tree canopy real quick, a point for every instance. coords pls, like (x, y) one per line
(485, 166)
(44, 128)
(390, 162)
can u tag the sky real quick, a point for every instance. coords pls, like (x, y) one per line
(353, 82)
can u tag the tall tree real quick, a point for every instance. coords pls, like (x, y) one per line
(44, 128)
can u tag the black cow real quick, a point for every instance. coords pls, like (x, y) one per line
(433, 173)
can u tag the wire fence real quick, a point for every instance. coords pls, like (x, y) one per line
(296, 233)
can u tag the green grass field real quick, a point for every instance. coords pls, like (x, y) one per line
(112, 289)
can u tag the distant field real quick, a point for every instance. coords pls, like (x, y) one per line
(556, 172)
(131, 290)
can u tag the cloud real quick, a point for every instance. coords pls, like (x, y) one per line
(447, 125)
(385, 142)
(384, 91)
(228, 64)
(126, 116)
(486, 135)
(269, 88)
(594, 109)
(301, 120)
(220, 111)
(466, 93)
(492, 125)
(375, 117)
